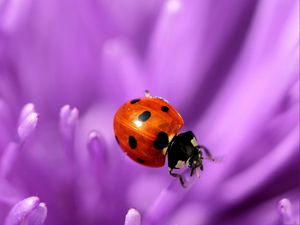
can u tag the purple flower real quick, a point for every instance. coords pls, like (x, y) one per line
(27, 211)
(231, 70)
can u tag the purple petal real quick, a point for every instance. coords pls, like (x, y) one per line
(15, 12)
(191, 214)
(38, 215)
(140, 197)
(9, 194)
(7, 161)
(28, 211)
(120, 68)
(94, 143)
(168, 199)
(6, 123)
(275, 160)
(96, 147)
(192, 48)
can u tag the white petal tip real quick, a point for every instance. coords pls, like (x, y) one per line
(93, 134)
(68, 119)
(68, 115)
(133, 217)
(27, 125)
(26, 110)
(65, 111)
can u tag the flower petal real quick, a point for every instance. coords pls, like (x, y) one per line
(9, 194)
(8, 159)
(15, 12)
(38, 215)
(192, 48)
(168, 199)
(28, 211)
(258, 173)
(96, 147)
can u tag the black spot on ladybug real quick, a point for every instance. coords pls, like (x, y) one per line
(135, 101)
(117, 139)
(132, 142)
(164, 108)
(144, 116)
(161, 141)
(140, 160)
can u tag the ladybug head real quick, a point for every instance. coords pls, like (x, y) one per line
(184, 150)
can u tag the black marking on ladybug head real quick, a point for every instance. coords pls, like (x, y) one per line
(164, 108)
(161, 141)
(132, 142)
(140, 160)
(117, 139)
(135, 101)
(144, 116)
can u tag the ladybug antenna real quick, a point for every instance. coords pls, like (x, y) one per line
(147, 93)
(209, 156)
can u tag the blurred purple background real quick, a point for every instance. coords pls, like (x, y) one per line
(230, 68)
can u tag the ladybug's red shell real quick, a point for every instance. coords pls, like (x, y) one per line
(144, 127)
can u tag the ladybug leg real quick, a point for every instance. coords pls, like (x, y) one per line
(192, 171)
(198, 172)
(207, 152)
(196, 169)
(180, 177)
(201, 167)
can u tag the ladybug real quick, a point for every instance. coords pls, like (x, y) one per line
(147, 130)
